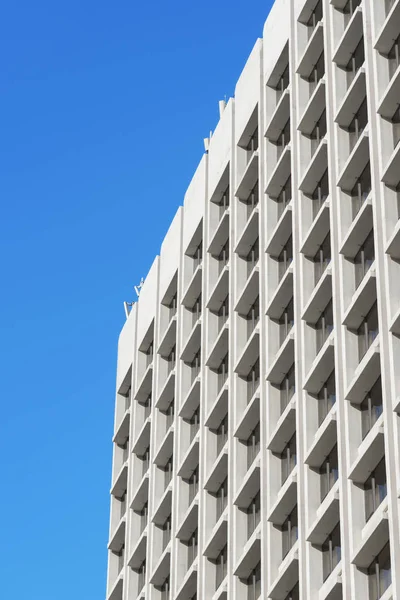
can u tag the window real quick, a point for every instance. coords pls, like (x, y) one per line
(172, 306)
(193, 484)
(168, 470)
(317, 73)
(171, 360)
(358, 124)
(283, 83)
(315, 18)
(252, 146)
(141, 576)
(192, 547)
(195, 365)
(253, 514)
(368, 331)
(361, 190)
(349, 10)
(224, 202)
(197, 256)
(122, 505)
(166, 532)
(371, 408)
(318, 133)
(144, 513)
(364, 258)
(149, 354)
(194, 423)
(223, 256)
(283, 139)
(288, 388)
(284, 197)
(252, 257)
(355, 62)
(394, 57)
(375, 489)
(146, 406)
(329, 471)
(252, 200)
(169, 415)
(320, 193)
(322, 258)
(125, 450)
(286, 321)
(165, 590)
(128, 398)
(223, 313)
(254, 583)
(380, 574)
(324, 325)
(196, 310)
(121, 557)
(253, 445)
(222, 498)
(222, 371)
(288, 458)
(253, 316)
(222, 434)
(289, 532)
(326, 398)
(221, 567)
(145, 458)
(285, 258)
(294, 594)
(331, 552)
(253, 380)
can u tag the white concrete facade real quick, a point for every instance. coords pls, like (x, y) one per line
(257, 422)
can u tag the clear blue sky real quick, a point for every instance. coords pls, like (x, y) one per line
(104, 106)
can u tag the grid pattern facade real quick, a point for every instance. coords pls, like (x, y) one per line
(256, 442)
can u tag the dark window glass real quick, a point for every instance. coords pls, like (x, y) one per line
(329, 471)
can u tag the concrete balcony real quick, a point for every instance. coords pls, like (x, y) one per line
(218, 409)
(250, 556)
(393, 247)
(189, 584)
(218, 472)
(121, 481)
(370, 452)
(283, 361)
(286, 500)
(395, 323)
(365, 374)
(280, 174)
(352, 100)
(312, 52)
(332, 587)
(358, 231)
(279, 117)
(220, 348)
(355, 164)
(249, 486)
(249, 293)
(284, 429)
(189, 522)
(191, 458)
(391, 174)
(374, 536)
(390, 97)
(322, 366)
(314, 109)
(281, 233)
(318, 231)
(389, 30)
(142, 441)
(193, 343)
(249, 354)
(362, 301)
(168, 340)
(193, 289)
(162, 568)
(145, 385)
(319, 298)
(249, 234)
(220, 235)
(316, 168)
(140, 496)
(122, 431)
(349, 40)
(323, 442)
(117, 589)
(249, 178)
(218, 537)
(328, 516)
(219, 291)
(138, 554)
(117, 539)
(249, 419)
(284, 291)
(164, 452)
(167, 392)
(191, 400)
(288, 575)
(163, 508)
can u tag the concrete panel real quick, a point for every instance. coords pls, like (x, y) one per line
(276, 34)
(148, 301)
(247, 90)
(170, 252)
(220, 148)
(194, 203)
(126, 346)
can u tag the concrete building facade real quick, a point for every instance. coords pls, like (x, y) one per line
(257, 420)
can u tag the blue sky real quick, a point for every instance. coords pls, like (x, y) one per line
(104, 107)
